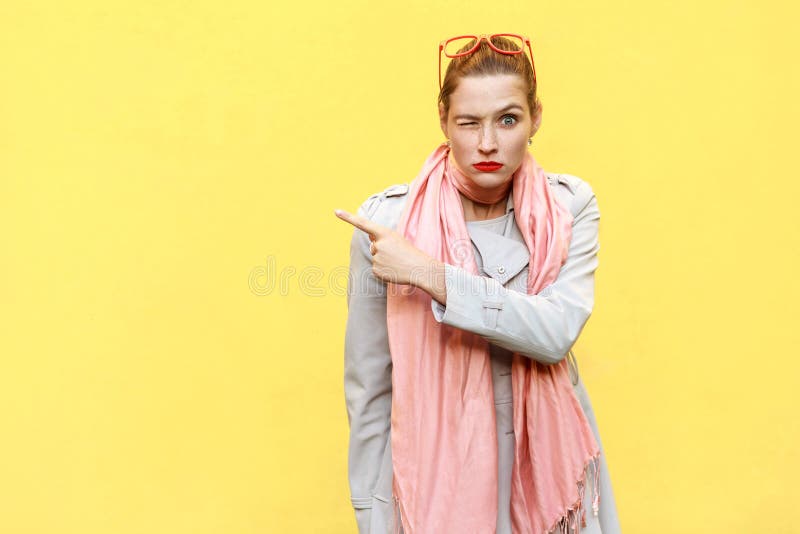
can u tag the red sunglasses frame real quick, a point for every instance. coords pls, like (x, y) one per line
(488, 37)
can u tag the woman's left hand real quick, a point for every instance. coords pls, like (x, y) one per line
(395, 259)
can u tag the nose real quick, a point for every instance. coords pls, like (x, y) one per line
(488, 140)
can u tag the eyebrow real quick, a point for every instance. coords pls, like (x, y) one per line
(507, 108)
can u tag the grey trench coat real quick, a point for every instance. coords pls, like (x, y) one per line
(494, 305)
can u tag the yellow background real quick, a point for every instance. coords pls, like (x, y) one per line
(161, 162)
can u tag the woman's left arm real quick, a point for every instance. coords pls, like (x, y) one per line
(542, 326)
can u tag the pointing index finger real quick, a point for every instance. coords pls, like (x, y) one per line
(362, 223)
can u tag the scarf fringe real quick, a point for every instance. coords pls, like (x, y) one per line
(571, 522)
(574, 518)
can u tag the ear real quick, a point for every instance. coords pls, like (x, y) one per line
(443, 120)
(536, 119)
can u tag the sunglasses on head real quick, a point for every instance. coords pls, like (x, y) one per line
(464, 45)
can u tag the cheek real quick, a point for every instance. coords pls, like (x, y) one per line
(459, 152)
(517, 146)
(517, 140)
(462, 146)
(464, 137)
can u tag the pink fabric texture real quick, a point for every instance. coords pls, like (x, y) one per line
(444, 442)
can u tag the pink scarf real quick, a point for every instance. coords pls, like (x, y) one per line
(444, 438)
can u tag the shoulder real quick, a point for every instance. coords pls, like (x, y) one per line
(573, 191)
(385, 207)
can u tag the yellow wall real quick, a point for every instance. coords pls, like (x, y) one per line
(157, 157)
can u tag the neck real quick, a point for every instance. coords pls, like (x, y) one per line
(479, 203)
(478, 211)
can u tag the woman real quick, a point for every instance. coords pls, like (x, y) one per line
(468, 287)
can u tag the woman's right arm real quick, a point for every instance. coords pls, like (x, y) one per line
(367, 373)
(543, 326)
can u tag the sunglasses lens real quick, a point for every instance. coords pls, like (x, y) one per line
(458, 46)
(511, 43)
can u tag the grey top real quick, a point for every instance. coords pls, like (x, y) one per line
(493, 304)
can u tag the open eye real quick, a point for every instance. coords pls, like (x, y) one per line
(509, 120)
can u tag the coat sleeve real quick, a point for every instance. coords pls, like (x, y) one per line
(367, 374)
(542, 326)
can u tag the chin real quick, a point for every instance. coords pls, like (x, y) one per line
(490, 179)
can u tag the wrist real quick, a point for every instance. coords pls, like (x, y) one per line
(433, 281)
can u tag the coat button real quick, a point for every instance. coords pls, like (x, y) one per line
(501, 269)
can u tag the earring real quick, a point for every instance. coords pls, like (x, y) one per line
(448, 142)
(530, 141)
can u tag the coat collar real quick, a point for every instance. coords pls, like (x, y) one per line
(502, 257)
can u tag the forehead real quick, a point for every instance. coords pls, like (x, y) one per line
(484, 94)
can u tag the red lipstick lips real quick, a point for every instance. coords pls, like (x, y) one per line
(487, 166)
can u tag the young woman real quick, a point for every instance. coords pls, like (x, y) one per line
(468, 287)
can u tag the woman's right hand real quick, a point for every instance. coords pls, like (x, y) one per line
(396, 260)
